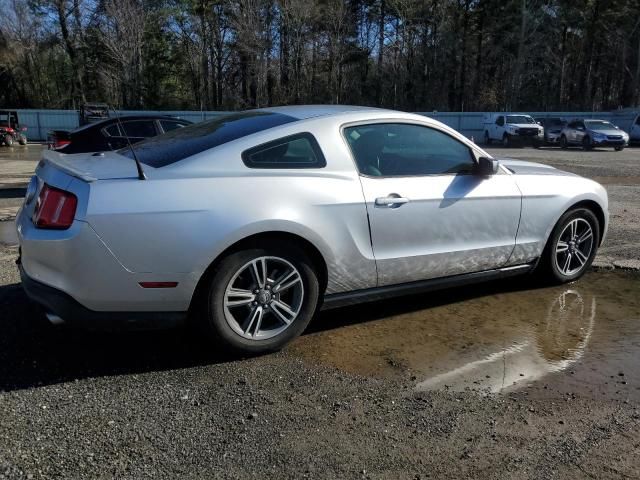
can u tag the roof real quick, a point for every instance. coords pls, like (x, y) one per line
(302, 112)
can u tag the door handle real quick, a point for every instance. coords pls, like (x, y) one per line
(393, 200)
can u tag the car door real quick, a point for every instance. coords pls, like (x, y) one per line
(580, 132)
(498, 128)
(121, 133)
(571, 131)
(430, 214)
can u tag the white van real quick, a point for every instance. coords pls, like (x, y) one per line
(512, 128)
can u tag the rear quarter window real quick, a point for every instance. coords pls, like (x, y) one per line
(295, 151)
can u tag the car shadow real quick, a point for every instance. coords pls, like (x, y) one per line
(35, 353)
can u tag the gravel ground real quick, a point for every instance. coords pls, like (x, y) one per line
(162, 405)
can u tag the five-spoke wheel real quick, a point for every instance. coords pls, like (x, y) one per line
(260, 298)
(263, 298)
(572, 246)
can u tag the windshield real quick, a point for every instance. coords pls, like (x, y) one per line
(554, 122)
(520, 119)
(599, 125)
(184, 142)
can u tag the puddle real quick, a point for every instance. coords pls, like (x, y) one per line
(582, 338)
(8, 234)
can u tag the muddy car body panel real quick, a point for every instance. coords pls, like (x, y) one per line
(367, 231)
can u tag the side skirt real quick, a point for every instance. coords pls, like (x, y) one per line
(336, 300)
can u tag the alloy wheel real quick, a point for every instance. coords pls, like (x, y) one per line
(574, 247)
(263, 298)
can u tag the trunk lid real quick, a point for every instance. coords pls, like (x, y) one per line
(91, 167)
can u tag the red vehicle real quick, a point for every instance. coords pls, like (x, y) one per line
(10, 129)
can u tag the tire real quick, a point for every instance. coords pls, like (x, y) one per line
(8, 140)
(506, 142)
(563, 142)
(256, 327)
(586, 143)
(618, 149)
(22, 140)
(554, 266)
(535, 144)
(487, 139)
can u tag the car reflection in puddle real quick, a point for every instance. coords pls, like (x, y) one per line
(583, 337)
(550, 346)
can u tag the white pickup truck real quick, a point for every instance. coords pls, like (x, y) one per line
(512, 128)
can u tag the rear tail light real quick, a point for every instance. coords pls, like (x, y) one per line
(58, 143)
(55, 208)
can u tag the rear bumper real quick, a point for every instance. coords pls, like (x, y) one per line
(70, 311)
(609, 143)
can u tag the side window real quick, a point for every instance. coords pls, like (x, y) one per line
(572, 125)
(113, 130)
(168, 125)
(396, 149)
(638, 120)
(139, 128)
(500, 121)
(296, 151)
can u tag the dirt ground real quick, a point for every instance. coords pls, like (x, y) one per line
(500, 380)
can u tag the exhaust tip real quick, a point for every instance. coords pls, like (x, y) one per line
(54, 319)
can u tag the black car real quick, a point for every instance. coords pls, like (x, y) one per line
(112, 134)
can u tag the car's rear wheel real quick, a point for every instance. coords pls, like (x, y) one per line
(487, 138)
(260, 299)
(571, 247)
(8, 140)
(22, 140)
(505, 140)
(619, 149)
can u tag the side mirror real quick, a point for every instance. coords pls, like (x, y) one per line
(487, 166)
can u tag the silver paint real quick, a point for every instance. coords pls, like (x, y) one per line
(172, 226)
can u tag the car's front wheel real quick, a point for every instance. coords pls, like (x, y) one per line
(618, 149)
(572, 246)
(563, 142)
(586, 143)
(260, 299)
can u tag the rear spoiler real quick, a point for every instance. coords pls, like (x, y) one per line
(62, 162)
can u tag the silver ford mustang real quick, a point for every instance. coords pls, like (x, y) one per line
(253, 220)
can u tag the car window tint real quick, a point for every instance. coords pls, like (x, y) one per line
(139, 128)
(184, 142)
(296, 151)
(401, 149)
(638, 120)
(168, 125)
(113, 130)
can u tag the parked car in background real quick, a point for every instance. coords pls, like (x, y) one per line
(512, 129)
(251, 220)
(113, 133)
(11, 132)
(552, 129)
(590, 133)
(634, 131)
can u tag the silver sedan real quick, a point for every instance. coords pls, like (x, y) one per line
(250, 222)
